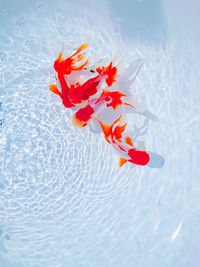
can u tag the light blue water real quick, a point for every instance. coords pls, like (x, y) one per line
(63, 199)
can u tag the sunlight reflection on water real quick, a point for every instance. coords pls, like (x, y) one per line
(63, 199)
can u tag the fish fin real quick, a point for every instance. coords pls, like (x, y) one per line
(110, 71)
(76, 57)
(134, 68)
(115, 99)
(80, 67)
(120, 128)
(127, 104)
(150, 116)
(122, 161)
(102, 97)
(118, 131)
(117, 120)
(82, 47)
(106, 129)
(128, 141)
(60, 58)
(53, 88)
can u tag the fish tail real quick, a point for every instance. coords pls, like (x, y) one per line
(115, 99)
(82, 47)
(110, 71)
(118, 131)
(128, 104)
(76, 57)
(106, 130)
(80, 67)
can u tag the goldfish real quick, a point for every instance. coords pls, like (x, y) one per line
(80, 93)
(114, 133)
(107, 99)
(65, 67)
(77, 94)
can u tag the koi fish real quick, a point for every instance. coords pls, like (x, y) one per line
(107, 99)
(113, 135)
(81, 93)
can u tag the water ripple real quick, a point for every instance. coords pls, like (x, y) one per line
(63, 199)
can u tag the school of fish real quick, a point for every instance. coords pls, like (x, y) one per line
(89, 98)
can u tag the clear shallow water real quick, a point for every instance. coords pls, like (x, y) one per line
(63, 199)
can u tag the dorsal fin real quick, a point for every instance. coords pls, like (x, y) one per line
(60, 58)
(122, 161)
(128, 141)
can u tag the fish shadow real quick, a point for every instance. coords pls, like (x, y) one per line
(156, 161)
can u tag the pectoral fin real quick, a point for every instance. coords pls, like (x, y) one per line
(122, 161)
(54, 89)
(128, 141)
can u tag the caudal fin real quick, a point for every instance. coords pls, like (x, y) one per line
(77, 57)
(112, 99)
(106, 130)
(118, 131)
(110, 71)
(81, 48)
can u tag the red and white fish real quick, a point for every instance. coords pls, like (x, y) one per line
(77, 93)
(80, 93)
(107, 99)
(114, 133)
(64, 68)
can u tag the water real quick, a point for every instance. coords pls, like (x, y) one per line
(63, 199)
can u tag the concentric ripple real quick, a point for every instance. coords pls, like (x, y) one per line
(63, 199)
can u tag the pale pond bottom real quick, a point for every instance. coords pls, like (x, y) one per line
(63, 199)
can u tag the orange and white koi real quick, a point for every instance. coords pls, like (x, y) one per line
(107, 99)
(113, 135)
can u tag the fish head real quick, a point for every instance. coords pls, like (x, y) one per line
(138, 157)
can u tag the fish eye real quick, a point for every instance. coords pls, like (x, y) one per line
(85, 68)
